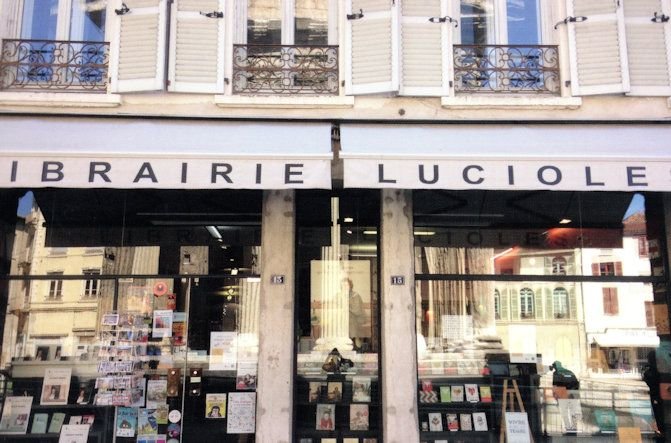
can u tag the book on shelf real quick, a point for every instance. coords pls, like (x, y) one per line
(435, 422)
(358, 417)
(445, 394)
(457, 393)
(485, 393)
(479, 421)
(452, 422)
(471, 390)
(39, 424)
(466, 422)
(56, 424)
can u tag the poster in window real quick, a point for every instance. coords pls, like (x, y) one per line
(56, 386)
(162, 323)
(223, 353)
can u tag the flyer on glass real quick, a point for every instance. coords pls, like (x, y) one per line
(162, 326)
(223, 355)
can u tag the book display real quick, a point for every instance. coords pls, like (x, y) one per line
(464, 408)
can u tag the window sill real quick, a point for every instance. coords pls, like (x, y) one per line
(279, 102)
(510, 101)
(59, 99)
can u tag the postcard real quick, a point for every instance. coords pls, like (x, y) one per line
(215, 405)
(471, 393)
(334, 389)
(457, 393)
(435, 422)
(361, 389)
(315, 391)
(480, 421)
(445, 394)
(162, 326)
(358, 417)
(466, 422)
(325, 417)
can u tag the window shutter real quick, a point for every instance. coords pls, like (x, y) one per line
(504, 305)
(139, 46)
(618, 268)
(648, 47)
(514, 305)
(607, 309)
(549, 305)
(570, 265)
(197, 47)
(572, 304)
(538, 304)
(372, 47)
(595, 269)
(9, 19)
(547, 265)
(426, 48)
(598, 47)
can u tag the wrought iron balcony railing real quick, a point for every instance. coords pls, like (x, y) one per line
(54, 65)
(506, 68)
(285, 69)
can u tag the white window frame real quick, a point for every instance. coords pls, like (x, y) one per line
(55, 290)
(527, 296)
(560, 303)
(91, 285)
(63, 22)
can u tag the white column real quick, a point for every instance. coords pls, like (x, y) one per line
(399, 338)
(276, 320)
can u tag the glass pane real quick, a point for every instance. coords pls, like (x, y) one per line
(264, 22)
(87, 21)
(311, 22)
(39, 19)
(337, 387)
(533, 233)
(523, 22)
(477, 22)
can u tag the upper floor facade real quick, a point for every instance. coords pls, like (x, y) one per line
(359, 59)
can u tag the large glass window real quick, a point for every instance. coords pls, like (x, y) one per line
(524, 286)
(271, 23)
(140, 303)
(337, 390)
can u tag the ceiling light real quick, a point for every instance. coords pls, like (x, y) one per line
(424, 233)
(348, 220)
(370, 232)
(214, 232)
(565, 221)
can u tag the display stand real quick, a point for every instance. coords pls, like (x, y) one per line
(510, 396)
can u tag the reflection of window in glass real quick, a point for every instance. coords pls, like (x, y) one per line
(55, 285)
(559, 266)
(607, 268)
(91, 284)
(642, 246)
(526, 303)
(649, 314)
(610, 303)
(271, 22)
(560, 302)
(497, 304)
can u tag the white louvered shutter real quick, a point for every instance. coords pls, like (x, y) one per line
(648, 47)
(139, 46)
(372, 47)
(9, 18)
(197, 46)
(426, 48)
(598, 47)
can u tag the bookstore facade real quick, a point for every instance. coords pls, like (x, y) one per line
(327, 283)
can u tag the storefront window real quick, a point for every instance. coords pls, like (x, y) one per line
(135, 312)
(533, 288)
(337, 390)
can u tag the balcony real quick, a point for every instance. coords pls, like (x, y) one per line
(285, 70)
(530, 69)
(51, 65)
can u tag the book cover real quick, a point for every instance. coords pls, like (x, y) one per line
(57, 421)
(157, 393)
(314, 391)
(39, 424)
(146, 422)
(457, 393)
(480, 421)
(74, 434)
(445, 394)
(335, 391)
(215, 405)
(358, 417)
(452, 422)
(75, 420)
(485, 393)
(15, 415)
(126, 421)
(162, 414)
(471, 391)
(435, 422)
(361, 389)
(466, 422)
(88, 419)
(56, 386)
(325, 417)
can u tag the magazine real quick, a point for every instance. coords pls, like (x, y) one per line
(358, 417)
(15, 415)
(39, 424)
(56, 386)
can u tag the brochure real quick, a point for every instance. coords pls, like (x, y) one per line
(241, 413)
(162, 326)
(15, 415)
(39, 424)
(57, 421)
(56, 386)
(223, 355)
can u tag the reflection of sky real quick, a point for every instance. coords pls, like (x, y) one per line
(25, 203)
(637, 205)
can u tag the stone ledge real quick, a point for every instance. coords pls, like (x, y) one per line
(60, 99)
(278, 102)
(509, 101)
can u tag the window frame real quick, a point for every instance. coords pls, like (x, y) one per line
(55, 291)
(91, 285)
(527, 308)
(560, 303)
